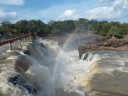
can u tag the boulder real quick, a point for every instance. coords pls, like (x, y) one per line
(22, 63)
(27, 52)
(19, 81)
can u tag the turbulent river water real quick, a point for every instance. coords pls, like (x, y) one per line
(51, 71)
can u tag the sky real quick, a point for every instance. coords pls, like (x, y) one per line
(47, 10)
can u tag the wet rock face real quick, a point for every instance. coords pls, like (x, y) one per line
(22, 63)
(21, 83)
(86, 56)
(27, 52)
(81, 51)
(85, 49)
(104, 44)
(37, 50)
(43, 45)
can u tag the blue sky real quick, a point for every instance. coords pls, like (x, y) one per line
(46, 10)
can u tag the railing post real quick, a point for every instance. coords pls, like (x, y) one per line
(10, 46)
(19, 42)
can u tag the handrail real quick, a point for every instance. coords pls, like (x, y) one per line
(11, 40)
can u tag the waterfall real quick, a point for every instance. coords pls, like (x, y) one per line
(45, 69)
(54, 72)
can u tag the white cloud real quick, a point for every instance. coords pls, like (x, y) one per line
(121, 5)
(69, 14)
(103, 12)
(12, 14)
(9, 16)
(63, 11)
(118, 9)
(12, 2)
(106, 0)
(108, 10)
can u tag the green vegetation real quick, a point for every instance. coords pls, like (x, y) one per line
(103, 28)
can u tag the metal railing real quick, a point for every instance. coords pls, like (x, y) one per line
(11, 40)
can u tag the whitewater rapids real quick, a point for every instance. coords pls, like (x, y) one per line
(45, 69)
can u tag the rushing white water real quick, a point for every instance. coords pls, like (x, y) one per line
(56, 73)
(47, 70)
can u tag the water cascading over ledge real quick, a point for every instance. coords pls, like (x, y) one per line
(108, 75)
(44, 69)
(49, 69)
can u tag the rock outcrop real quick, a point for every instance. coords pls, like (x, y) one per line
(108, 74)
(22, 63)
(13, 65)
(20, 81)
(105, 44)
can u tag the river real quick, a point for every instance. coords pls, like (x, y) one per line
(45, 69)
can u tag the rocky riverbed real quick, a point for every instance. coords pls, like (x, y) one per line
(44, 69)
(107, 76)
(102, 43)
(12, 80)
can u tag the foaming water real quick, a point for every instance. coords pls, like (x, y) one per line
(55, 72)
(48, 70)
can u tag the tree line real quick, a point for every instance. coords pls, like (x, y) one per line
(57, 28)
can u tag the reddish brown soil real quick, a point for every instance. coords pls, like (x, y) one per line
(113, 44)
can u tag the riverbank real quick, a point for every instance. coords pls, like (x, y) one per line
(102, 43)
(43, 68)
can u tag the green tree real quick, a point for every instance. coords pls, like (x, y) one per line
(103, 28)
(115, 31)
(6, 27)
(21, 26)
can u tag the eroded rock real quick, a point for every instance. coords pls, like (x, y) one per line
(21, 83)
(22, 63)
